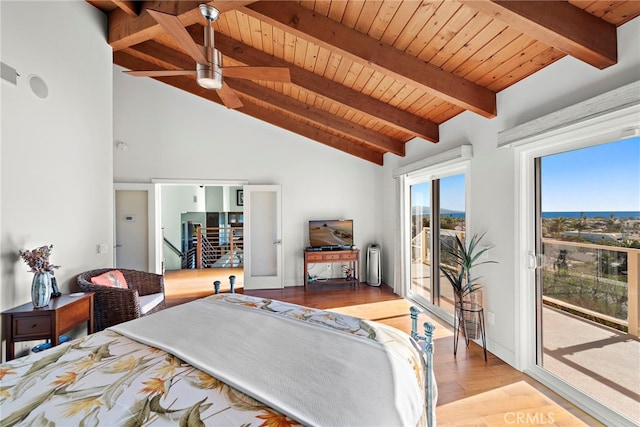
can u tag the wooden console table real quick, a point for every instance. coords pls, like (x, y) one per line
(26, 323)
(351, 257)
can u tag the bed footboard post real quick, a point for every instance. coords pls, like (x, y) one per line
(426, 343)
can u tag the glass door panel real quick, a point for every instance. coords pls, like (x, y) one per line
(437, 214)
(452, 222)
(588, 244)
(420, 277)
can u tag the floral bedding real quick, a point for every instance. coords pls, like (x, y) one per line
(108, 379)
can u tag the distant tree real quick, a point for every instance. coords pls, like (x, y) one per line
(581, 224)
(557, 226)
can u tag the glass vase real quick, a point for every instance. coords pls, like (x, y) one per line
(41, 289)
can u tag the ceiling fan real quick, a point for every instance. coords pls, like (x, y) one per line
(209, 70)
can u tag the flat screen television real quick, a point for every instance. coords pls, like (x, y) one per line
(331, 234)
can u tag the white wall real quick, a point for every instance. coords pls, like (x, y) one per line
(56, 153)
(174, 135)
(492, 171)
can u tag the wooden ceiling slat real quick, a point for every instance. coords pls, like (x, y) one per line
(382, 20)
(416, 25)
(487, 36)
(300, 53)
(467, 34)
(311, 56)
(367, 16)
(503, 55)
(255, 27)
(488, 52)
(498, 76)
(352, 13)
(546, 56)
(352, 74)
(336, 10)
(406, 9)
(321, 61)
(363, 79)
(443, 39)
(360, 47)
(266, 32)
(432, 27)
(558, 24)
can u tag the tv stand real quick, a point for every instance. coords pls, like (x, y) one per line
(350, 256)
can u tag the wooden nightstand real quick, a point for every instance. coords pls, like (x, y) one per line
(26, 323)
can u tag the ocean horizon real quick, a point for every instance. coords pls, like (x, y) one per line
(568, 214)
(592, 214)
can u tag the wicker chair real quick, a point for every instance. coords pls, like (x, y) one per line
(115, 305)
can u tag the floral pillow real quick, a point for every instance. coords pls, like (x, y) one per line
(113, 278)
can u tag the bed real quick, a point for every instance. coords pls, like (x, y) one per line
(228, 359)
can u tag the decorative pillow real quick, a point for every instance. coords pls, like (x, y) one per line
(113, 278)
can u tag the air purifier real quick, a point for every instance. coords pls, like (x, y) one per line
(374, 272)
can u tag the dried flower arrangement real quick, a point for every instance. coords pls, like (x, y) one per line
(38, 259)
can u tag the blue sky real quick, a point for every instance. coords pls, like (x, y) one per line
(601, 178)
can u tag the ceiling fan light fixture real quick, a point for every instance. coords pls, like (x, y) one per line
(208, 77)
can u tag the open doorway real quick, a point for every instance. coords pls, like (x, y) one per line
(202, 226)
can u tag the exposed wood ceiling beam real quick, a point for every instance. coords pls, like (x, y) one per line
(277, 119)
(149, 51)
(388, 114)
(126, 30)
(129, 6)
(365, 136)
(558, 24)
(329, 34)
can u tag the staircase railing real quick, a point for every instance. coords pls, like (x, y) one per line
(219, 247)
(185, 258)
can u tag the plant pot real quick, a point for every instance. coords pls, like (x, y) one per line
(469, 306)
(41, 289)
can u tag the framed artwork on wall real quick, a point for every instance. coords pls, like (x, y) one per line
(240, 197)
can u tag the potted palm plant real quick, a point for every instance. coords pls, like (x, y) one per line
(467, 294)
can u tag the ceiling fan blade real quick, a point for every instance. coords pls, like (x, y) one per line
(175, 29)
(229, 97)
(160, 73)
(276, 74)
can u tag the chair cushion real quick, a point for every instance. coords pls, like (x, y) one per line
(148, 302)
(113, 278)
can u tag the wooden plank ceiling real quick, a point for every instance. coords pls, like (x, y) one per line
(368, 76)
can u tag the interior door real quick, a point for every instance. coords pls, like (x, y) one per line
(132, 230)
(263, 237)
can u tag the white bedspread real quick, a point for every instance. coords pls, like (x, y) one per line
(295, 367)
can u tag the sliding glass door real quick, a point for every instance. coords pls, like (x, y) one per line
(437, 213)
(587, 214)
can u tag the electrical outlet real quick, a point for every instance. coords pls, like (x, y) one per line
(328, 266)
(491, 318)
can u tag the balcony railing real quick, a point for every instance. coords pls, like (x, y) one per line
(596, 282)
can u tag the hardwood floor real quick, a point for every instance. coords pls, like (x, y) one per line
(471, 392)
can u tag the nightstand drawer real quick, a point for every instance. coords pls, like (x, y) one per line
(330, 257)
(314, 257)
(28, 326)
(350, 256)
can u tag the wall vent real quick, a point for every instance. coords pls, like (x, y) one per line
(9, 74)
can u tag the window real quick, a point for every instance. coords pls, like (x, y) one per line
(437, 212)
